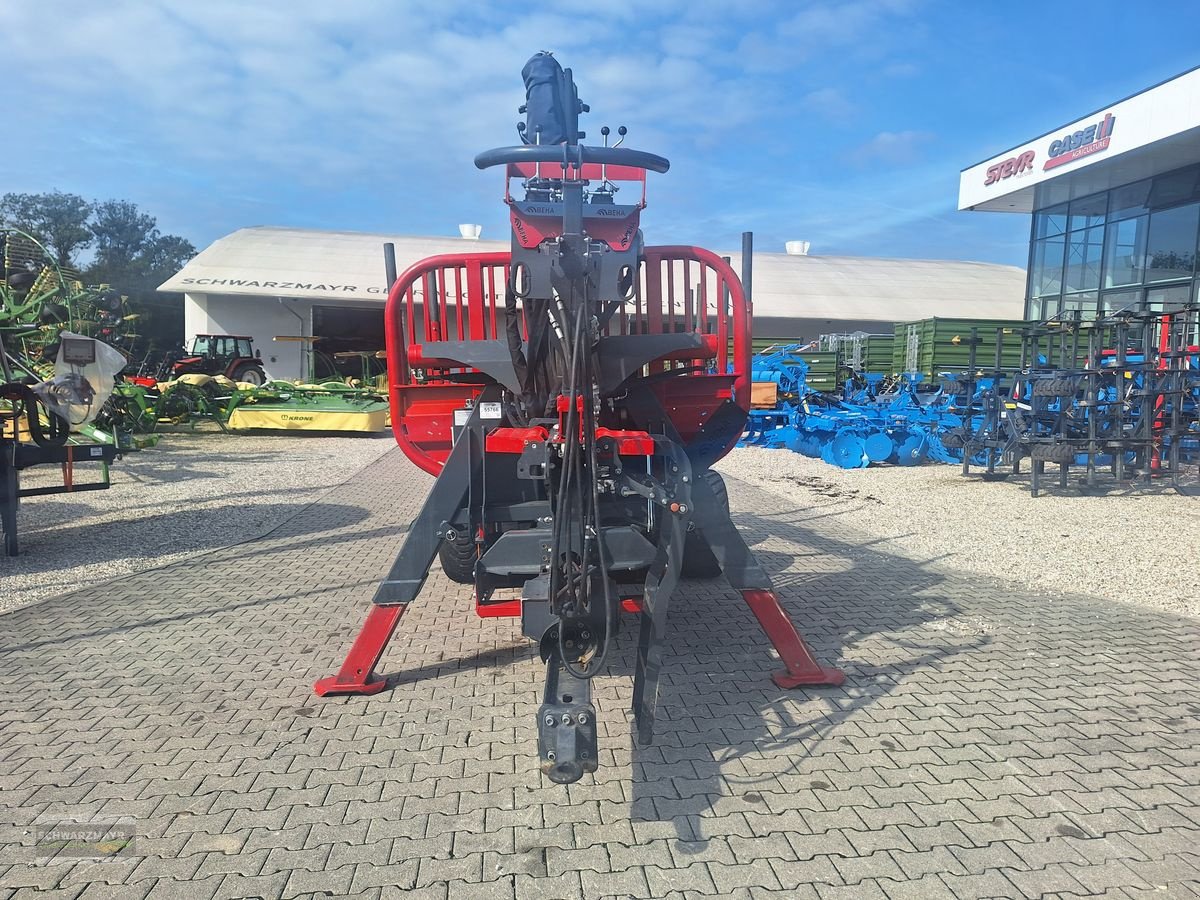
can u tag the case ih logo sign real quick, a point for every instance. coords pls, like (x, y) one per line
(1085, 142)
(1010, 167)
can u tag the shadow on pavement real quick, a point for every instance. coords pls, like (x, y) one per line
(714, 724)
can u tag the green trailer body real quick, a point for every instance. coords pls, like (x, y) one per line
(822, 369)
(878, 352)
(935, 345)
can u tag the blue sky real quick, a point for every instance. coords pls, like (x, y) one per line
(844, 124)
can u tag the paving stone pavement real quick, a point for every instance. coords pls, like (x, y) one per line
(987, 743)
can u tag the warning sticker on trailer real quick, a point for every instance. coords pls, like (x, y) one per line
(489, 410)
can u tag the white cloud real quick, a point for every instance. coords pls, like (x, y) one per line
(830, 103)
(901, 70)
(893, 147)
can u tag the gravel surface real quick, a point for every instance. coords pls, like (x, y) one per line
(194, 492)
(1137, 547)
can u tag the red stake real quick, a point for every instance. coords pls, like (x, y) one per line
(802, 667)
(355, 676)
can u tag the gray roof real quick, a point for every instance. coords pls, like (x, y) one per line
(347, 265)
(885, 290)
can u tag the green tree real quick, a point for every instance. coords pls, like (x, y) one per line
(130, 253)
(134, 257)
(58, 220)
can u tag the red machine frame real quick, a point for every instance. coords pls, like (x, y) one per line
(422, 410)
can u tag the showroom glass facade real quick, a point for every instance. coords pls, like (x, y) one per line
(1134, 246)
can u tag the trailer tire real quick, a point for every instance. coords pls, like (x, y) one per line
(698, 559)
(458, 558)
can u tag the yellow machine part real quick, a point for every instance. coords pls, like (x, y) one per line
(196, 379)
(248, 417)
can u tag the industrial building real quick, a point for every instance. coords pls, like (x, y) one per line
(1115, 203)
(285, 287)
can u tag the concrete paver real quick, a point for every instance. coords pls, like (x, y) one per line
(987, 742)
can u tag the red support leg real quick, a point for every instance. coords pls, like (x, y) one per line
(356, 675)
(802, 668)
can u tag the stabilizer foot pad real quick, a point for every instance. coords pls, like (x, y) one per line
(823, 676)
(331, 687)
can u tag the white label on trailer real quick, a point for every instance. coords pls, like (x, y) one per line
(97, 451)
(489, 410)
(461, 417)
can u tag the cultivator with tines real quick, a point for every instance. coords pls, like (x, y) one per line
(1116, 400)
(571, 397)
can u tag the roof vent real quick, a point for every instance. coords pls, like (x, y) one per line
(796, 248)
(470, 232)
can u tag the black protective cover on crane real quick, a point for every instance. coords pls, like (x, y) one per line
(545, 105)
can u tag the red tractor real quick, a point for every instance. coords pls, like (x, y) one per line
(221, 354)
(571, 396)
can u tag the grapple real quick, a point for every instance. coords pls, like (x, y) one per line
(571, 396)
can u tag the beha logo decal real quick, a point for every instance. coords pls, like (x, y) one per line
(1085, 142)
(1010, 167)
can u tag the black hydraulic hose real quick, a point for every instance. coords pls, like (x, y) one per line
(565, 474)
(609, 602)
(512, 335)
(572, 447)
(572, 475)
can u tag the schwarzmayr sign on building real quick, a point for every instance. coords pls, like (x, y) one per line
(315, 287)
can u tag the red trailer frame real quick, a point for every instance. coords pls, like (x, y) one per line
(679, 289)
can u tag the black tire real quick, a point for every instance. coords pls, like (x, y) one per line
(458, 558)
(1063, 454)
(251, 374)
(1065, 386)
(698, 559)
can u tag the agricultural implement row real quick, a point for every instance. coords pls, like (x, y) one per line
(1116, 399)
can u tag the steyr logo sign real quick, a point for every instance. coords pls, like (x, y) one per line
(1010, 167)
(1085, 142)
